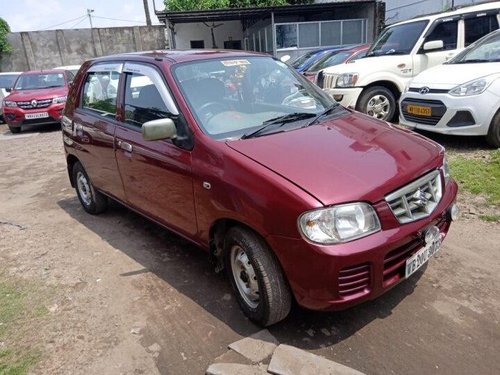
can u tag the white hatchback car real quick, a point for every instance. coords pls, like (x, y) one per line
(460, 97)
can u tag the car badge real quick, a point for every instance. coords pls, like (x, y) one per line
(424, 90)
(419, 198)
(34, 103)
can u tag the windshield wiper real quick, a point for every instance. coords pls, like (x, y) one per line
(281, 120)
(472, 61)
(328, 111)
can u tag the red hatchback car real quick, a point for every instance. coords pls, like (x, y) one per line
(295, 196)
(37, 98)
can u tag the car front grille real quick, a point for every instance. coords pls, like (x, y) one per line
(417, 199)
(354, 280)
(44, 103)
(438, 109)
(329, 80)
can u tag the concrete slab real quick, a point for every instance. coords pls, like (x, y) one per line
(9, 136)
(236, 369)
(288, 360)
(256, 347)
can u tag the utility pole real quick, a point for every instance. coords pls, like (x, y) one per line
(89, 13)
(146, 10)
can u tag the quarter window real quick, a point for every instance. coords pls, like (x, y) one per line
(478, 27)
(100, 91)
(143, 101)
(447, 32)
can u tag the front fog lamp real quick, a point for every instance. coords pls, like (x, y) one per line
(59, 99)
(339, 223)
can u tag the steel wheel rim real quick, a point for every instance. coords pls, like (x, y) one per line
(244, 276)
(378, 107)
(84, 190)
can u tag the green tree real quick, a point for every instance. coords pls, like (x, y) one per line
(184, 5)
(4, 43)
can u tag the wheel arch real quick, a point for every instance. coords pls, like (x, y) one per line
(391, 86)
(71, 160)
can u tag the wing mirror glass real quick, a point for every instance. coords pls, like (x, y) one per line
(433, 45)
(159, 129)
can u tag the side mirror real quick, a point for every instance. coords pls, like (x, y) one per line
(285, 58)
(433, 45)
(8, 89)
(163, 128)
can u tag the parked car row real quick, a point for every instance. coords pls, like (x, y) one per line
(35, 97)
(453, 99)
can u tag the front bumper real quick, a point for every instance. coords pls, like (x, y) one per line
(348, 97)
(329, 277)
(451, 115)
(15, 116)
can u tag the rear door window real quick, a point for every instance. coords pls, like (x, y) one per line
(100, 89)
(479, 26)
(447, 32)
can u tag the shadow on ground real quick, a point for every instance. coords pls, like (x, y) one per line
(189, 271)
(458, 143)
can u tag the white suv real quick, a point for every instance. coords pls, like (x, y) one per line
(374, 83)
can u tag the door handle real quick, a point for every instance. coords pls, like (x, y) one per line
(125, 146)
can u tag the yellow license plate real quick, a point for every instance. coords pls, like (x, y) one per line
(419, 110)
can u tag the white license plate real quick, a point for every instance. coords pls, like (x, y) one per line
(31, 116)
(421, 257)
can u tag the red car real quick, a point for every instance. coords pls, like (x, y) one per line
(37, 98)
(294, 195)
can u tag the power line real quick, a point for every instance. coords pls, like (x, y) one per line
(78, 22)
(62, 23)
(117, 19)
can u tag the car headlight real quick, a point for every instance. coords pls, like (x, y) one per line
(347, 80)
(8, 103)
(446, 169)
(475, 87)
(59, 99)
(340, 223)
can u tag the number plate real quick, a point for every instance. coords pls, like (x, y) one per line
(419, 110)
(421, 257)
(31, 116)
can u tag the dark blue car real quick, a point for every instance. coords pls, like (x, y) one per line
(306, 60)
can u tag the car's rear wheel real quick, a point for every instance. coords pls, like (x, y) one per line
(92, 201)
(256, 276)
(378, 102)
(15, 129)
(493, 136)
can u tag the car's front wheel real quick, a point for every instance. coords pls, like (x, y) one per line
(493, 136)
(256, 276)
(378, 102)
(92, 201)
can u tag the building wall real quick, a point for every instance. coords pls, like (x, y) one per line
(48, 49)
(185, 32)
(401, 10)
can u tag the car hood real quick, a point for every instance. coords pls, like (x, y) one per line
(352, 158)
(19, 95)
(451, 75)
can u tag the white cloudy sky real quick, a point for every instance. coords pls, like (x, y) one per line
(27, 15)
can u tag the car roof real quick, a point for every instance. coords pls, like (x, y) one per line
(467, 9)
(176, 56)
(45, 71)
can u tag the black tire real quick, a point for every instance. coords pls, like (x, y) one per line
(493, 136)
(14, 129)
(274, 296)
(378, 102)
(92, 201)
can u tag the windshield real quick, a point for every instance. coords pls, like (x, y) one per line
(7, 80)
(486, 49)
(329, 60)
(230, 98)
(40, 81)
(397, 40)
(302, 59)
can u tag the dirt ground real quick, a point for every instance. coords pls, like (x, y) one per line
(127, 297)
